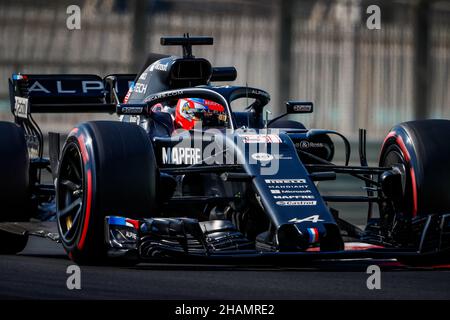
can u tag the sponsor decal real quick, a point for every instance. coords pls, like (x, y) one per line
(132, 110)
(296, 203)
(294, 197)
(291, 186)
(179, 155)
(159, 66)
(262, 156)
(140, 88)
(282, 157)
(301, 108)
(143, 76)
(258, 92)
(91, 86)
(284, 181)
(260, 138)
(278, 191)
(130, 235)
(59, 88)
(314, 219)
(86, 87)
(21, 107)
(37, 86)
(163, 95)
(304, 144)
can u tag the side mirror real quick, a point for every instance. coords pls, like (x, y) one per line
(293, 107)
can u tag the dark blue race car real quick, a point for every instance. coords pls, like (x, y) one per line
(183, 176)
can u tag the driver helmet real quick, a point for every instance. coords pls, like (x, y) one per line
(190, 111)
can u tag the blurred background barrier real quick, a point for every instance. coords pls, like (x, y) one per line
(320, 51)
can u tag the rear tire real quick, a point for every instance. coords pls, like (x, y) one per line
(14, 186)
(12, 243)
(14, 170)
(106, 168)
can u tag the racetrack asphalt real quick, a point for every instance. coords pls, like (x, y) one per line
(39, 272)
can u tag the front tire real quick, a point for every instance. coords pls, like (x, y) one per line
(106, 168)
(420, 150)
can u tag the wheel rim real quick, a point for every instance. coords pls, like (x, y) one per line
(70, 194)
(394, 158)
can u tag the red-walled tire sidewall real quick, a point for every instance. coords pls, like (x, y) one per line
(426, 151)
(119, 178)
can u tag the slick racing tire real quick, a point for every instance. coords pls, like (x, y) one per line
(106, 168)
(421, 148)
(14, 186)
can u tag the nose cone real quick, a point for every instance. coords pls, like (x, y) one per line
(294, 237)
(301, 236)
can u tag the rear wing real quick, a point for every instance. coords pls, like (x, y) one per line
(61, 93)
(66, 93)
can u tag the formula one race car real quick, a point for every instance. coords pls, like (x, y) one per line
(182, 175)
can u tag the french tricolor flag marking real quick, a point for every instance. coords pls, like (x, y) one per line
(313, 235)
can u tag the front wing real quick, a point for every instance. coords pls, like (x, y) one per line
(172, 240)
(187, 240)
